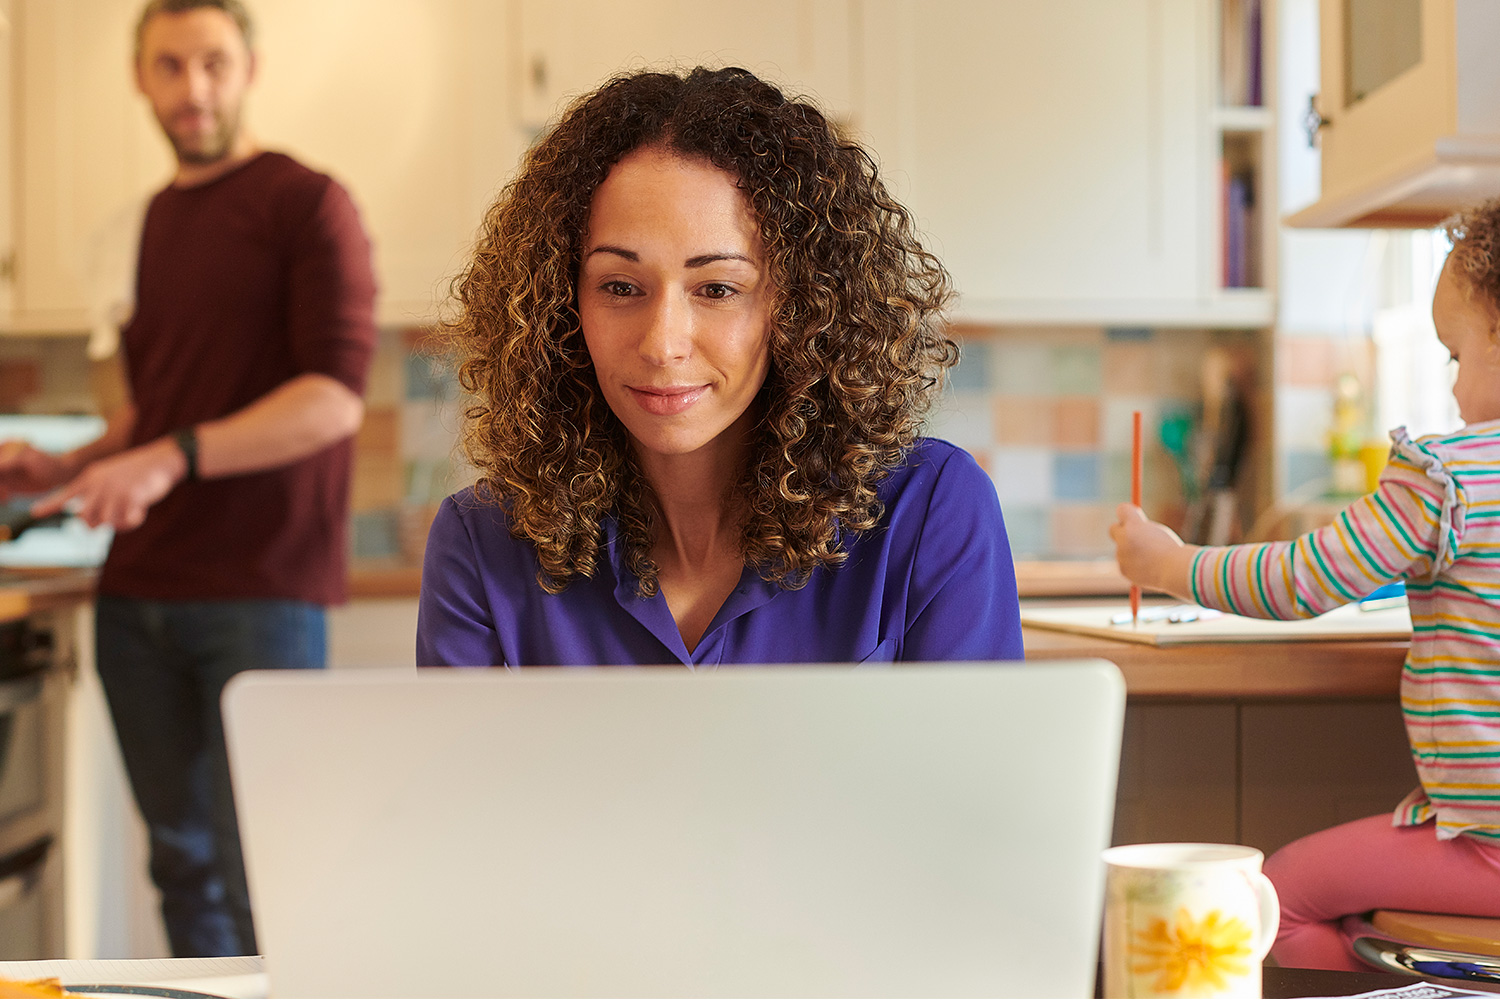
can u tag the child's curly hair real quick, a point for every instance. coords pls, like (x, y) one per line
(857, 348)
(1475, 234)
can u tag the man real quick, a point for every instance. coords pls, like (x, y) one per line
(226, 472)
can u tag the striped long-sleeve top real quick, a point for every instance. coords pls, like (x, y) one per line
(1434, 521)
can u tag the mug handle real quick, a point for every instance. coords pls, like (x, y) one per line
(1270, 914)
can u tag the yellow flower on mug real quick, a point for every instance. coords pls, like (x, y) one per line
(1196, 954)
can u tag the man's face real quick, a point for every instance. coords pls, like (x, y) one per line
(194, 68)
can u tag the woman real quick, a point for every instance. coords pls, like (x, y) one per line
(700, 339)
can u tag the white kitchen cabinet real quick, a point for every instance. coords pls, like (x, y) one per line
(84, 151)
(569, 47)
(1062, 157)
(1410, 102)
(7, 157)
(407, 102)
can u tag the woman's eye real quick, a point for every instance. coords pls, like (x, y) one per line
(622, 289)
(717, 291)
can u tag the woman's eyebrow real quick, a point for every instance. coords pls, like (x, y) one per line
(709, 258)
(617, 251)
(698, 260)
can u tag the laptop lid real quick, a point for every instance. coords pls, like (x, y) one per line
(811, 831)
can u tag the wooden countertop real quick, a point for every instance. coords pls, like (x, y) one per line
(1069, 578)
(379, 579)
(1034, 578)
(27, 591)
(1235, 670)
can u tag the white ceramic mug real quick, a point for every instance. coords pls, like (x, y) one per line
(1186, 920)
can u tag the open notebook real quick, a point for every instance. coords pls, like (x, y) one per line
(928, 830)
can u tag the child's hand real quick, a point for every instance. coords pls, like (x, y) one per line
(1150, 554)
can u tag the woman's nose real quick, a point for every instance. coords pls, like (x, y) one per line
(668, 336)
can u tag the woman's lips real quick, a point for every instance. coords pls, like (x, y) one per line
(669, 400)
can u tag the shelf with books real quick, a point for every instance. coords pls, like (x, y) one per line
(1241, 215)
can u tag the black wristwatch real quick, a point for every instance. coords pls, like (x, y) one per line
(187, 440)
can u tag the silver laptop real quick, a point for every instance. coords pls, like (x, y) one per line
(927, 830)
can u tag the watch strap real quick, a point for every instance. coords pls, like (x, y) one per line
(186, 439)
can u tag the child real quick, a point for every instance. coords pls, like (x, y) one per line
(1433, 520)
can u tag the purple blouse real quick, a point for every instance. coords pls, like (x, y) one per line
(933, 581)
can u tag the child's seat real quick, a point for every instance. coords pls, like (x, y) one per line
(1427, 944)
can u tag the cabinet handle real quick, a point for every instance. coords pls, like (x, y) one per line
(1313, 121)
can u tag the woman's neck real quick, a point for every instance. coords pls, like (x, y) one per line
(699, 518)
(697, 544)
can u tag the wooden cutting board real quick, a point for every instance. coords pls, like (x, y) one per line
(1341, 624)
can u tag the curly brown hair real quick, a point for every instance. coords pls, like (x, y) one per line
(1475, 234)
(858, 351)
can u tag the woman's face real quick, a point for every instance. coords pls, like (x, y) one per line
(1465, 323)
(675, 301)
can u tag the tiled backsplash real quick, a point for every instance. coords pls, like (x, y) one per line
(1047, 413)
(406, 454)
(1045, 410)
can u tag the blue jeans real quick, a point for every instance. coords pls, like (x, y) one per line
(163, 665)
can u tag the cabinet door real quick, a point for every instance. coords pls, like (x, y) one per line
(1388, 86)
(87, 148)
(571, 46)
(1056, 153)
(406, 102)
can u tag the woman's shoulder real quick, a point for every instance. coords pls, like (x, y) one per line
(935, 469)
(933, 459)
(472, 513)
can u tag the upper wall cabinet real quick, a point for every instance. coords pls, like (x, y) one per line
(1061, 156)
(404, 101)
(569, 47)
(1409, 109)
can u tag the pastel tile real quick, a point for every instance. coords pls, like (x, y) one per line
(1022, 476)
(1114, 477)
(1075, 476)
(963, 417)
(1177, 364)
(1082, 530)
(380, 431)
(972, 373)
(1024, 420)
(376, 481)
(1304, 417)
(374, 534)
(1306, 361)
(1128, 367)
(430, 429)
(429, 377)
(1075, 423)
(1022, 369)
(428, 481)
(1029, 529)
(1116, 420)
(1075, 370)
(1304, 468)
(386, 384)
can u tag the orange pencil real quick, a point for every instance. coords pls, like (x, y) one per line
(1135, 498)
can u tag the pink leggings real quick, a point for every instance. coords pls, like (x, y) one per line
(1366, 865)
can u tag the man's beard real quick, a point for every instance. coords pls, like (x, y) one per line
(207, 149)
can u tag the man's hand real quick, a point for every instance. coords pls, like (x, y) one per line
(24, 469)
(1151, 554)
(118, 490)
